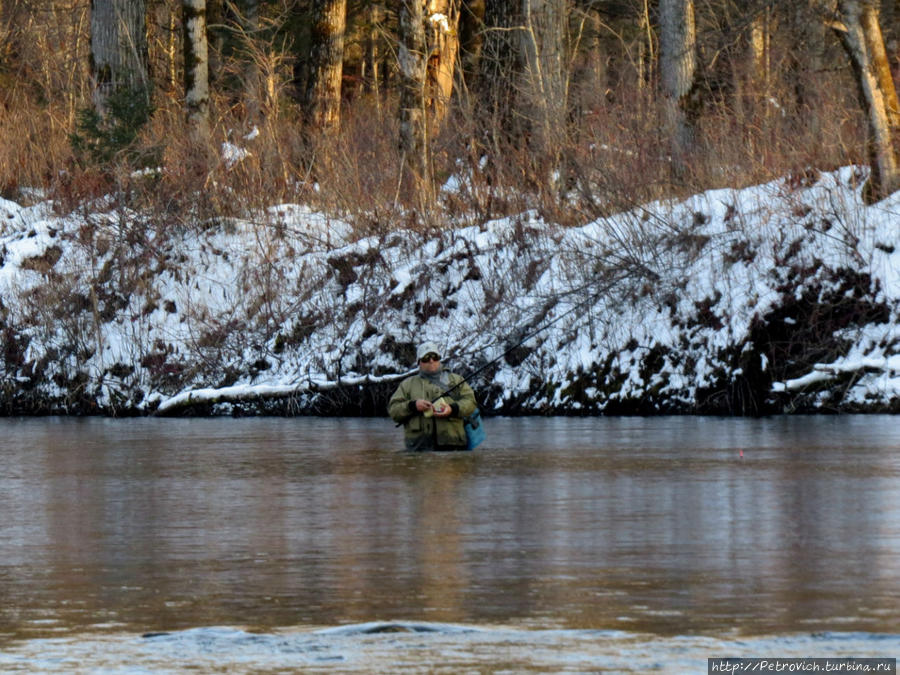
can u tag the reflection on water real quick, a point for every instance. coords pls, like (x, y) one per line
(661, 525)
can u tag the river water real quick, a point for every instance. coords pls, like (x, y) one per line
(561, 545)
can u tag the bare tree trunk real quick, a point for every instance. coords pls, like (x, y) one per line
(807, 58)
(443, 47)
(546, 78)
(546, 62)
(196, 64)
(118, 49)
(589, 64)
(678, 68)
(759, 44)
(471, 38)
(856, 28)
(256, 92)
(172, 50)
(499, 66)
(373, 53)
(751, 76)
(323, 91)
(215, 29)
(590, 84)
(890, 22)
(871, 26)
(413, 129)
(648, 54)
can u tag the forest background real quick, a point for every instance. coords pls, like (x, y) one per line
(542, 95)
(196, 112)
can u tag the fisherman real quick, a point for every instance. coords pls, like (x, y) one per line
(432, 404)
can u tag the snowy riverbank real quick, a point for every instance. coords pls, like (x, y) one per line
(778, 298)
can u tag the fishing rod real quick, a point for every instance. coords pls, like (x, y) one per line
(540, 329)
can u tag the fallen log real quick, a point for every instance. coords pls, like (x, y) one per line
(254, 392)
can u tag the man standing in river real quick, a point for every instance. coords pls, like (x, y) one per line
(432, 404)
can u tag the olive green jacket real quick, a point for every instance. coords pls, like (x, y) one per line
(432, 433)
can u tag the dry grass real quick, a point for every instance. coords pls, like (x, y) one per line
(613, 155)
(34, 148)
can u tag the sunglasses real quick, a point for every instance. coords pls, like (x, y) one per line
(428, 358)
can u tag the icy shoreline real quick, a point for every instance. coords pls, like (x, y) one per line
(778, 298)
(384, 647)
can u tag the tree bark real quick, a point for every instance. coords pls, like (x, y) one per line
(859, 31)
(589, 84)
(500, 65)
(215, 31)
(371, 68)
(196, 64)
(323, 92)
(258, 94)
(413, 129)
(759, 44)
(443, 48)
(471, 38)
(880, 64)
(647, 49)
(678, 68)
(118, 49)
(172, 49)
(890, 23)
(546, 71)
(807, 58)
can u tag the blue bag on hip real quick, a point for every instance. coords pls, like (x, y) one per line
(474, 430)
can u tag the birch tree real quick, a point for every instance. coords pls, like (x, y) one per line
(118, 49)
(196, 64)
(413, 128)
(323, 92)
(678, 71)
(858, 27)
